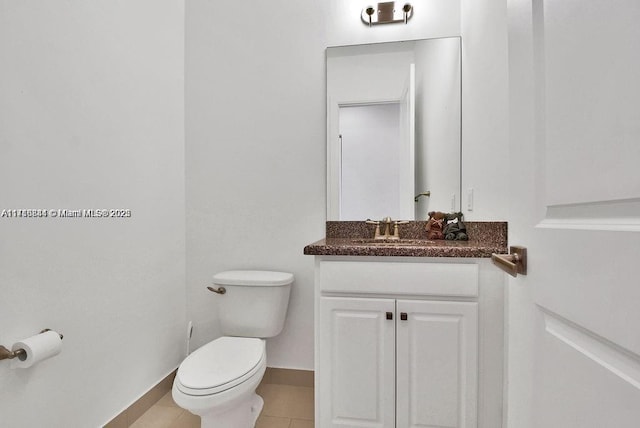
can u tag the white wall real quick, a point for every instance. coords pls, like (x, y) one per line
(485, 113)
(91, 116)
(355, 74)
(520, 314)
(255, 129)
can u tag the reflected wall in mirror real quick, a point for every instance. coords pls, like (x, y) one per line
(393, 129)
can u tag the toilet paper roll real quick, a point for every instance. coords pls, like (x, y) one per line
(38, 348)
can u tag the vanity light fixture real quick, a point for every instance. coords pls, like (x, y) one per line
(387, 13)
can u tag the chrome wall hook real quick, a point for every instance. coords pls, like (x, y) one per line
(387, 13)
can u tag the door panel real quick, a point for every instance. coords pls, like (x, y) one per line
(437, 349)
(592, 99)
(580, 373)
(357, 363)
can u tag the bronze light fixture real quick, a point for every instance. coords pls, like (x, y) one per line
(390, 12)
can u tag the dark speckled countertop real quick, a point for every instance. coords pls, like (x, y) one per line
(344, 238)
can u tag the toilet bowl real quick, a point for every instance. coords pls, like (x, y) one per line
(218, 381)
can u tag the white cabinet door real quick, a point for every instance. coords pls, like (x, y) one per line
(356, 363)
(437, 364)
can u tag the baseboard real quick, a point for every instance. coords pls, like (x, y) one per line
(134, 411)
(291, 377)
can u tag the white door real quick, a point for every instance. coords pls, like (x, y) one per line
(406, 188)
(574, 320)
(357, 363)
(437, 355)
(370, 166)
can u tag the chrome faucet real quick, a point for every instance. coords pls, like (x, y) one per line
(387, 230)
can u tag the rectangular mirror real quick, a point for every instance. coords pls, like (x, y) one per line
(393, 129)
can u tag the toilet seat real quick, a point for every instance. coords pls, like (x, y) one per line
(221, 365)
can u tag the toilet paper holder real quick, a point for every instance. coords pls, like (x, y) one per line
(5, 354)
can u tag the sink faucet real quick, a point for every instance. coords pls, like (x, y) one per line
(387, 230)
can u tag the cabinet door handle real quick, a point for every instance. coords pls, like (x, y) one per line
(403, 316)
(389, 315)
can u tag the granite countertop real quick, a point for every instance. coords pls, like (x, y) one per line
(353, 238)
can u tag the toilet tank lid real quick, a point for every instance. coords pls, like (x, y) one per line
(253, 278)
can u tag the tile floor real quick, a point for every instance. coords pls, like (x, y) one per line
(285, 406)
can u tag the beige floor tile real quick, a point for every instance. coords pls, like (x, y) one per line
(301, 423)
(286, 401)
(167, 400)
(186, 420)
(303, 404)
(272, 422)
(158, 417)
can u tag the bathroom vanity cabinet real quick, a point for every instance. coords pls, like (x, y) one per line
(398, 362)
(408, 342)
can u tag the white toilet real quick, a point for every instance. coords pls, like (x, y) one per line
(218, 381)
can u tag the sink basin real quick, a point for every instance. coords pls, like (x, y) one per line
(391, 242)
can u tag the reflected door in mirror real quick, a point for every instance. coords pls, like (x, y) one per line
(370, 138)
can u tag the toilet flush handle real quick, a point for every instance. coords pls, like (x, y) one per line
(219, 290)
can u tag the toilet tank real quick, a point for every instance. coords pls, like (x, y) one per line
(255, 303)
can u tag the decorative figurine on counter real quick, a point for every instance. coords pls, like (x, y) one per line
(455, 229)
(435, 225)
(446, 226)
